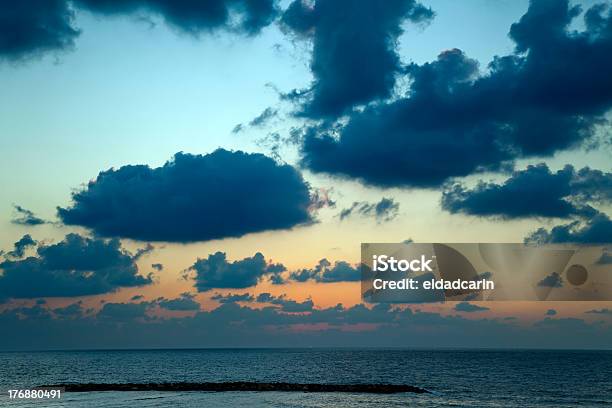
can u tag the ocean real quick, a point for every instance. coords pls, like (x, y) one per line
(455, 378)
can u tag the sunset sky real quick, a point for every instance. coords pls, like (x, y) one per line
(339, 122)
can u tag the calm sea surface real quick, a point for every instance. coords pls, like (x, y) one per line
(455, 377)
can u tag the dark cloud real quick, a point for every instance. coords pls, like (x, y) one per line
(29, 28)
(157, 266)
(263, 117)
(596, 230)
(193, 198)
(216, 272)
(467, 307)
(604, 311)
(553, 280)
(324, 271)
(20, 246)
(354, 57)
(71, 311)
(321, 198)
(551, 312)
(265, 297)
(605, 258)
(76, 266)
(259, 121)
(232, 325)
(533, 192)
(456, 121)
(140, 252)
(193, 16)
(31, 313)
(26, 217)
(384, 210)
(231, 298)
(124, 311)
(185, 302)
(277, 279)
(286, 305)
(238, 128)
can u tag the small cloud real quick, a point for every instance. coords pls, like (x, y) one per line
(467, 307)
(185, 302)
(604, 311)
(325, 272)
(238, 128)
(26, 217)
(73, 310)
(384, 210)
(551, 312)
(264, 117)
(320, 198)
(287, 305)
(20, 246)
(553, 280)
(217, 272)
(144, 251)
(123, 311)
(231, 298)
(605, 258)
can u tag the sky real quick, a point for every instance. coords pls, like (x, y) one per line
(202, 174)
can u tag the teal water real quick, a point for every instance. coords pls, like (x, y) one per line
(455, 377)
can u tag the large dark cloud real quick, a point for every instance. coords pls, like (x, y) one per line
(194, 16)
(76, 266)
(31, 27)
(354, 57)
(551, 94)
(595, 230)
(193, 198)
(217, 272)
(534, 192)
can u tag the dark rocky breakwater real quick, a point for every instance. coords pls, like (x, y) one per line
(241, 386)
